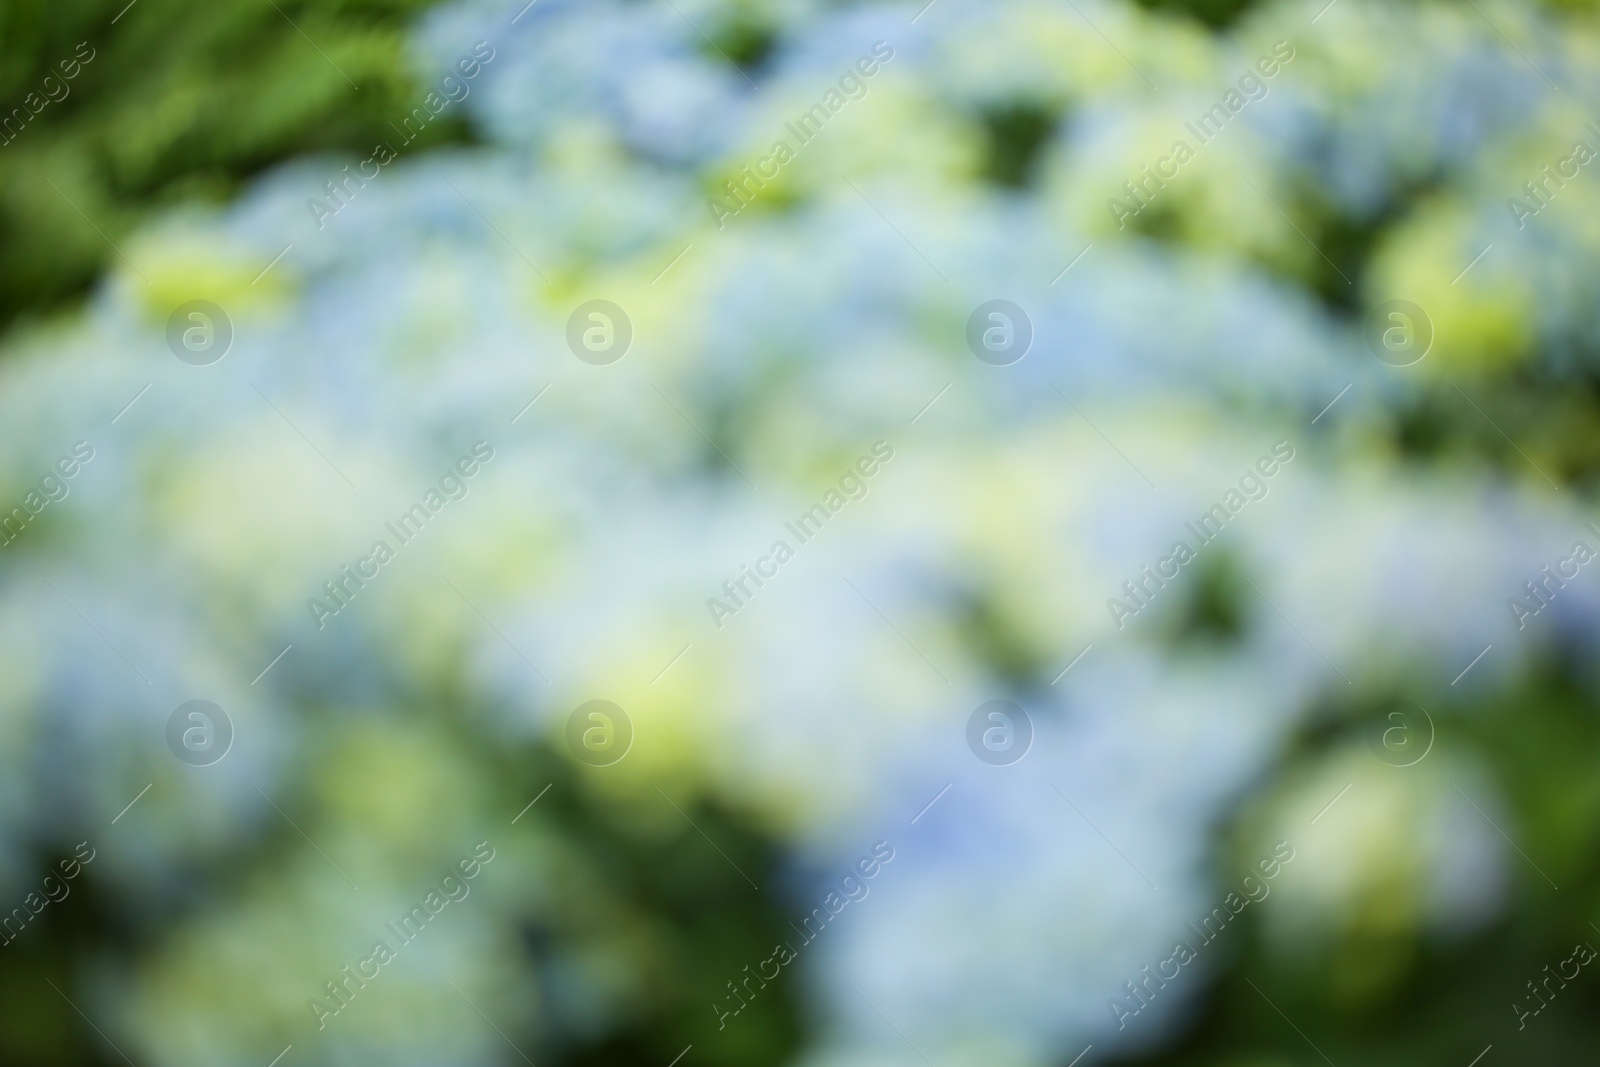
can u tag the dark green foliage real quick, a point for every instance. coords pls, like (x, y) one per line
(1214, 13)
(1017, 136)
(180, 102)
